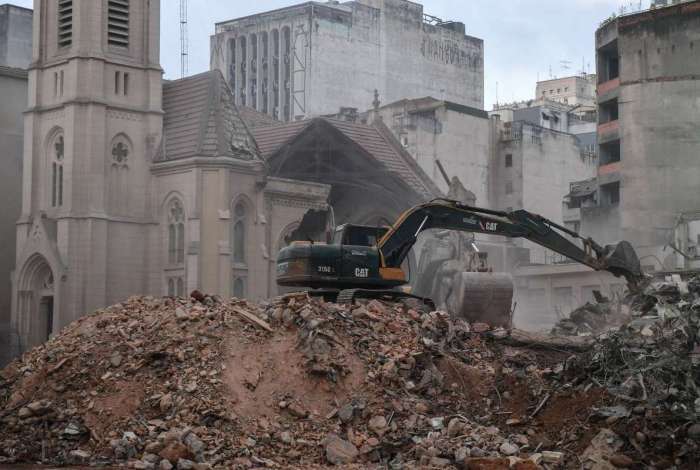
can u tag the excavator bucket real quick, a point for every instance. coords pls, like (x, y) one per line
(622, 260)
(482, 297)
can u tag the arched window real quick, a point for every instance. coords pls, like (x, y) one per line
(57, 158)
(239, 287)
(176, 233)
(238, 235)
(120, 153)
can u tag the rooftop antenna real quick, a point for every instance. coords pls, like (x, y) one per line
(184, 43)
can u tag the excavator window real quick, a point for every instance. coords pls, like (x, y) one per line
(358, 235)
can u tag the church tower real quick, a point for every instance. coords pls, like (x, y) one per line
(91, 132)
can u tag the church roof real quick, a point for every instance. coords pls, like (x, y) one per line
(376, 140)
(201, 119)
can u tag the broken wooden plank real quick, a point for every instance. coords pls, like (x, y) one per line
(545, 341)
(250, 318)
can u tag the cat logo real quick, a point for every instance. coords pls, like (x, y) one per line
(489, 226)
(361, 272)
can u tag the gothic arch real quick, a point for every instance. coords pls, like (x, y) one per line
(120, 152)
(54, 152)
(174, 220)
(121, 149)
(37, 297)
(242, 219)
(285, 233)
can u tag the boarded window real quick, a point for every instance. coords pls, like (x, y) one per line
(65, 23)
(118, 23)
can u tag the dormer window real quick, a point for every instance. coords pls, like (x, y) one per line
(65, 23)
(118, 23)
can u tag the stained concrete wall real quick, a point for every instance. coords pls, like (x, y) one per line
(544, 163)
(456, 136)
(15, 36)
(13, 89)
(345, 52)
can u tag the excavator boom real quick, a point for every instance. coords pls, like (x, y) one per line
(620, 259)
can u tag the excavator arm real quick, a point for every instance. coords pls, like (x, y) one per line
(620, 259)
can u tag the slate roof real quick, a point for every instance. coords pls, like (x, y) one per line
(201, 119)
(254, 118)
(374, 139)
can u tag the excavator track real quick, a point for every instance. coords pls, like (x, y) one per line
(348, 296)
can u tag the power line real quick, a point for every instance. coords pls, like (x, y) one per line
(184, 42)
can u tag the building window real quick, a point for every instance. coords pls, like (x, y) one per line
(176, 233)
(610, 194)
(118, 23)
(239, 287)
(65, 23)
(509, 187)
(176, 287)
(117, 82)
(57, 171)
(509, 160)
(238, 235)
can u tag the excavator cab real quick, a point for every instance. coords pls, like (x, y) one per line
(358, 235)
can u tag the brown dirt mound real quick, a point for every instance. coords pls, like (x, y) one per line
(292, 383)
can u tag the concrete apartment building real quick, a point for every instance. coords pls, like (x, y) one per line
(648, 129)
(15, 56)
(577, 90)
(313, 58)
(15, 36)
(648, 178)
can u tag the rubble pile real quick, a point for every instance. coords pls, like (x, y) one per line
(299, 383)
(593, 318)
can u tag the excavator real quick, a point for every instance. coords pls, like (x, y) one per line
(365, 262)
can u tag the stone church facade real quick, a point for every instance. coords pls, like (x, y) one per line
(135, 185)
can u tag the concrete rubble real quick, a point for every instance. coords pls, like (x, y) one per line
(295, 382)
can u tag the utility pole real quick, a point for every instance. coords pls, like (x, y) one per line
(184, 45)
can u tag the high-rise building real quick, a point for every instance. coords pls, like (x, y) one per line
(313, 58)
(648, 128)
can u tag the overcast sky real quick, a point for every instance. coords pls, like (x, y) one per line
(523, 39)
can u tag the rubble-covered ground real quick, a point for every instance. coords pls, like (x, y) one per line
(298, 383)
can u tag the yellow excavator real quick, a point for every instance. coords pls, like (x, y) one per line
(365, 262)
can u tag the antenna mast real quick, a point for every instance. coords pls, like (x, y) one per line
(184, 43)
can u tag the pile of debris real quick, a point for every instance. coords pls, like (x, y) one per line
(594, 318)
(299, 383)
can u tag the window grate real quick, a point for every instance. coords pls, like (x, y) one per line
(118, 23)
(65, 23)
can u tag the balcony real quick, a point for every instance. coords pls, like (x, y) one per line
(609, 169)
(607, 87)
(608, 131)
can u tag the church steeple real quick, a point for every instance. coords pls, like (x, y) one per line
(94, 123)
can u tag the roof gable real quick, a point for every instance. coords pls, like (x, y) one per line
(377, 144)
(201, 119)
